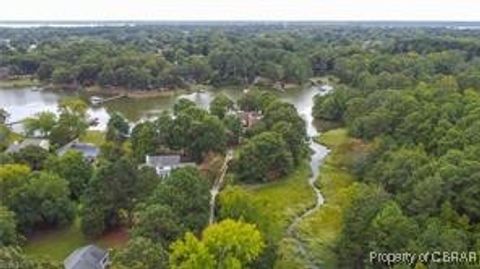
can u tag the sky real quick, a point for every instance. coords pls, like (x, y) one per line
(277, 10)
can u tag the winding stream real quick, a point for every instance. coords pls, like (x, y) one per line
(319, 152)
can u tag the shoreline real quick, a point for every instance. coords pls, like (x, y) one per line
(134, 94)
(20, 83)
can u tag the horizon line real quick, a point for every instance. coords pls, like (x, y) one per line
(235, 20)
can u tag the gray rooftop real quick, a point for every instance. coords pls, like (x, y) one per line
(162, 160)
(89, 151)
(88, 257)
(16, 147)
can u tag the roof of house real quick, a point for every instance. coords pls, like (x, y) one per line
(88, 150)
(88, 257)
(162, 160)
(15, 147)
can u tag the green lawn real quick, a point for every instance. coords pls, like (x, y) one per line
(93, 137)
(58, 244)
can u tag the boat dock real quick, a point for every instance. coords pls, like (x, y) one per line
(96, 100)
(14, 122)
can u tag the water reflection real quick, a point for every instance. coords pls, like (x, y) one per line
(22, 103)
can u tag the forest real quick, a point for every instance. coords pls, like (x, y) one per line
(406, 100)
(416, 104)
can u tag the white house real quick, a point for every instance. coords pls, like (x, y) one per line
(164, 164)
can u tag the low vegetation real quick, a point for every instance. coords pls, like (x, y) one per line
(321, 229)
(281, 201)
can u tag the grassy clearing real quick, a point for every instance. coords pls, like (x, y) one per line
(93, 137)
(282, 200)
(59, 243)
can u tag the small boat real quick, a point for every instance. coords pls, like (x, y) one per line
(325, 88)
(36, 89)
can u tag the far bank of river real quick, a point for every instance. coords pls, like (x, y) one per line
(26, 102)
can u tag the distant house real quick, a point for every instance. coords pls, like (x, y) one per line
(89, 151)
(88, 257)
(164, 164)
(16, 146)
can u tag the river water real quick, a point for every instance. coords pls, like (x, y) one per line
(25, 102)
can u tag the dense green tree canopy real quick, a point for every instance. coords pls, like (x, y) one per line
(113, 190)
(41, 199)
(73, 167)
(228, 244)
(180, 203)
(264, 157)
(117, 128)
(220, 105)
(33, 156)
(8, 228)
(43, 123)
(141, 253)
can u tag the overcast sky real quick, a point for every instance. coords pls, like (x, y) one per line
(452, 10)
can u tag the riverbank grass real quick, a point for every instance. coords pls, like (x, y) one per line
(320, 229)
(19, 83)
(282, 200)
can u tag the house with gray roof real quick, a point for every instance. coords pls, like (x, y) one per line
(17, 146)
(164, 164)
(88, 257)
(89, 151)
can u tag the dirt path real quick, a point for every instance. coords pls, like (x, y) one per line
(217, 185)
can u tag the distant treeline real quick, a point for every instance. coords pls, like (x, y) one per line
(166, 56)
